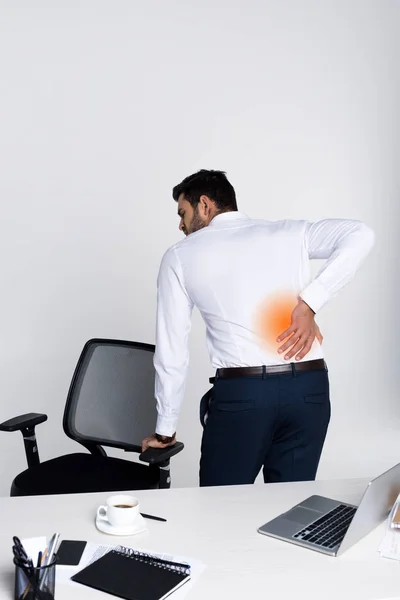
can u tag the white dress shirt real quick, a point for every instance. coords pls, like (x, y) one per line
(227, 270)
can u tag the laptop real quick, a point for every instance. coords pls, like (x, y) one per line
(330, 526)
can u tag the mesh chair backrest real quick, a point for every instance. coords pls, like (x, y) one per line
(111, 398)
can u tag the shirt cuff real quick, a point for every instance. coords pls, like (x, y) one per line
(315, 295)
(166, 425)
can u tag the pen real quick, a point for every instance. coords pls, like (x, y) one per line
(48, 557)
(171, 563)
(153, 517)
(39, 560)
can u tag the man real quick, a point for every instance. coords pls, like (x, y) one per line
(250, 279)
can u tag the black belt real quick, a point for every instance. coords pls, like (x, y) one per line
(309, 365)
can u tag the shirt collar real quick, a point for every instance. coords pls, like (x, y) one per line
(227, 218)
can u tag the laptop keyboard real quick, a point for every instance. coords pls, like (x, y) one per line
(329, 530)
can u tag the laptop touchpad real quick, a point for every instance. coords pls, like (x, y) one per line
(302, 515)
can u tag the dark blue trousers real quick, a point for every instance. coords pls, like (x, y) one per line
(277, 423)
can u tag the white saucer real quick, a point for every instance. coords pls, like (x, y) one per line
(138, 526)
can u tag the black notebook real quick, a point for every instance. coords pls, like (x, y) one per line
(133, 575)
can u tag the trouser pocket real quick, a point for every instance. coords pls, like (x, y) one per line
(204, 404)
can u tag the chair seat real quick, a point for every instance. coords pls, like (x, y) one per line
(80, 473)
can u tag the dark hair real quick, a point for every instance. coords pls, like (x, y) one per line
(213, 184)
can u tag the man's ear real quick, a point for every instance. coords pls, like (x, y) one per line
(206, 205)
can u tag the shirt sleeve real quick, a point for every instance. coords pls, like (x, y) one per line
(171, 359)
(345, 244)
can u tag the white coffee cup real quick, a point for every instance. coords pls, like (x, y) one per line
(120, 510)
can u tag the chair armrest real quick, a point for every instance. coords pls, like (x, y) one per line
(23, 421)
(154, 456)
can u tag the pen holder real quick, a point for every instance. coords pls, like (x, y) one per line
(37, 583)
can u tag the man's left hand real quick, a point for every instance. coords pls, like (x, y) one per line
(152, 442)
(301, 333)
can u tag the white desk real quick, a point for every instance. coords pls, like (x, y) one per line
(219, 527)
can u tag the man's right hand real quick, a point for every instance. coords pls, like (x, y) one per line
(152, 442)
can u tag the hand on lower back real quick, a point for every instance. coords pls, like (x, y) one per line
(299, 337)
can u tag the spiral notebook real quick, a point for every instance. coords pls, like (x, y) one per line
(134, 575)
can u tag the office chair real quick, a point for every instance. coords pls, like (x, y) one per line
(110, 403)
